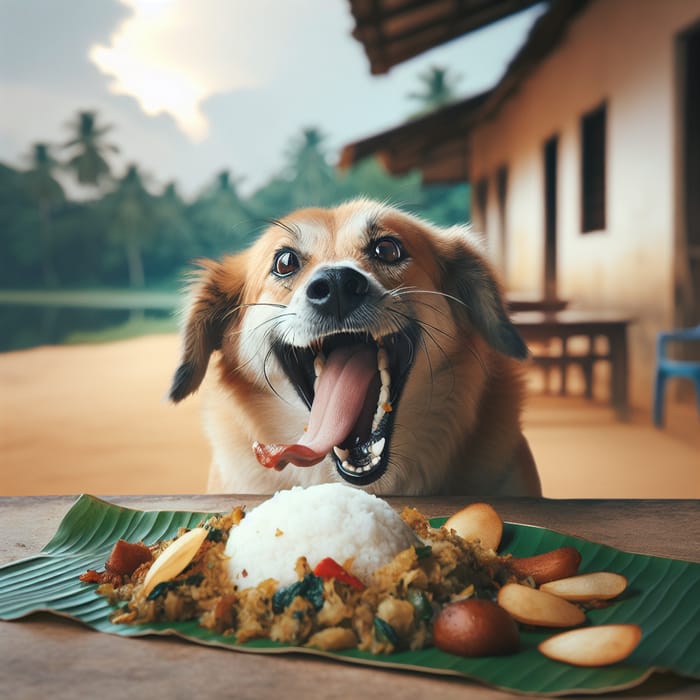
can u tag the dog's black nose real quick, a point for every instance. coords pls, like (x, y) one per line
(337, 291)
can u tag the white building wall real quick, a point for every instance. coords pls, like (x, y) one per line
(621, 52)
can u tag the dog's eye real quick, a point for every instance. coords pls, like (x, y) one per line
(389, 250)
(286, 263)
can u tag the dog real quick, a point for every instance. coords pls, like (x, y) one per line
(361, 344)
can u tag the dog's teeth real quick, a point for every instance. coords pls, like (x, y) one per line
(383, 395)
(378, 417)
(374, 462)
(385, 377)
(378, 447)
(319, 364)
(341, 454)
(382, 359)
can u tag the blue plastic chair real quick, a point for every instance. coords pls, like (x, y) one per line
(666, 367)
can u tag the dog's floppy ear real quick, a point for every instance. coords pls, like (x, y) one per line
(469, 278)
(215, 297)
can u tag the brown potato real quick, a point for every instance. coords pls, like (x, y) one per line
(475, 627)
(550, 566)
(478, 521)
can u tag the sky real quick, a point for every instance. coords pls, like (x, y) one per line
(192, 87)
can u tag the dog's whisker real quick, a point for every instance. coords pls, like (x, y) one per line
(238, 307)
(268, 381)
(432, 307)
(267, 377)
(273, 319)
(398, 299)
(446, 366)
(262, 303)
(289, 228)
(251, 359)
(423, 338)
(459, 301)
(423, 324)
(475, 354)
(436, 329)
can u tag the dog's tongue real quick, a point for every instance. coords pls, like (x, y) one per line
(340, 398)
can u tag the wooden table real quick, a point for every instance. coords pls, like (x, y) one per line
(45, 656)
(533, 302)
(543, 327)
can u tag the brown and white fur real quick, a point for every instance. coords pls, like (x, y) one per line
(456, 425)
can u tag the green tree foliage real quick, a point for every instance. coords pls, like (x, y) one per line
(307, 179)
(310, 174)
(131, 236)
(89, 159)
(132, 211)
(438, 88)
(172, 241)
(220, 218)
(20, 256)
(369, 178)
(47, 193)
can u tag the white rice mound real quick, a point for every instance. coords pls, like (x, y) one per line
(328, 520)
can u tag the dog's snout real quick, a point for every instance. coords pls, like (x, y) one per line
(337, 291)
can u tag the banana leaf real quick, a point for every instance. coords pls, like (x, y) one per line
(663, 597)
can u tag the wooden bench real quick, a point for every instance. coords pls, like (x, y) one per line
(542, 327)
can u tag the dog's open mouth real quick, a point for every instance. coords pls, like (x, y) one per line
(352, 384)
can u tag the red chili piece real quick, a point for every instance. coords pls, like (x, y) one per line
(329, 568)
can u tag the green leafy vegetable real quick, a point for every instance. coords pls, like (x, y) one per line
(310, 587)
(165, 586)
(421, 604)
(384, 632)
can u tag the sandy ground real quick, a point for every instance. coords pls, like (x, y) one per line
(94, 419)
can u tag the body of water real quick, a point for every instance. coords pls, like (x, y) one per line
(32, 318)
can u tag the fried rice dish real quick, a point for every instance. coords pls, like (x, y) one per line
(327, 605)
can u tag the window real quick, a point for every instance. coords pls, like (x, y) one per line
(502, 189)
(551, 158)
(501, 193)
(482, 191)
(593, 127)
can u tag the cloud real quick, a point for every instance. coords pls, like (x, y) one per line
(243, 76)
(172, 55)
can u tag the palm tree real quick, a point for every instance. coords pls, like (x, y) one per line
(438, 88)
(47, 192)
(312, 176)
(89, 162)
(220, 217)
(172, 243)
(131, 208)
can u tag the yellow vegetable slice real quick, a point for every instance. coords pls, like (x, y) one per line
(534, 607)
(593, 646)
(175, 558)
(599, 585)
(478, 521)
